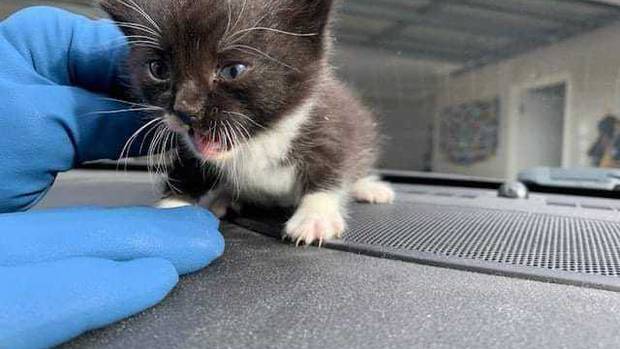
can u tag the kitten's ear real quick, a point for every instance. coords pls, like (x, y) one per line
(311, 15)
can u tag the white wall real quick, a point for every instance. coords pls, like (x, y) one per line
(406, 124)
(589, 63)
(400, 90)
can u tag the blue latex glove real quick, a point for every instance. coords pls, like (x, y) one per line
(53, 66)
(58, 280)
(63, 272)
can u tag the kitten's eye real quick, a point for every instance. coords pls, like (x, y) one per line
(159, 70)
(233, 71)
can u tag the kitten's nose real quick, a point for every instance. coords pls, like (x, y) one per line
(187, 111)
(188, 119)
(189, 103)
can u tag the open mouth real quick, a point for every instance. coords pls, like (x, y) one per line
(210, 146)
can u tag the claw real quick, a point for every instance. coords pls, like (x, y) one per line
(298, 243)
(320, 242)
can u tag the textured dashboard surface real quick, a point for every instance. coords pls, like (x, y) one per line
(554, 238)
(266, 293)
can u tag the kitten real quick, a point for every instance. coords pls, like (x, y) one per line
(248, 87)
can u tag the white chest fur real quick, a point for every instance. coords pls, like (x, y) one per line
(255, 171)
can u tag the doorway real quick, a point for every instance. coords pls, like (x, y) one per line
(541, 126)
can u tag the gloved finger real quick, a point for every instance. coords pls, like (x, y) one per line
(187, 237)
(42, 305)
(68, 49)
(106, 129)
(83, 127)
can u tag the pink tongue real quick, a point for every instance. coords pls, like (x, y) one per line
(207, 146)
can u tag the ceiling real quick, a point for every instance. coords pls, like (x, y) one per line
(456, 34)
(467, 33)
(418, 41)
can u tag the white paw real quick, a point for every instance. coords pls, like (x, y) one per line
(217, 202)
(370, 190)
(174, 202)
(318, 218)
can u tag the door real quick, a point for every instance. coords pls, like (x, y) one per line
(541, 127)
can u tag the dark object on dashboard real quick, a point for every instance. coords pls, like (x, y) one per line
(513, 190)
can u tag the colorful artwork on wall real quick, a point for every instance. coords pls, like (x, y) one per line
(605, 152)
(469, 133)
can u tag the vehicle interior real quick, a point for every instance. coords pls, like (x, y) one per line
(502, 124)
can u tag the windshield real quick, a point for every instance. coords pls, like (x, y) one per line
(484, 88)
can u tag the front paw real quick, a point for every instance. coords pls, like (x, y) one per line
(372, 191)
(218, 202)
(318, 218)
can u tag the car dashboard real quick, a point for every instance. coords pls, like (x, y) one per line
(410, 275)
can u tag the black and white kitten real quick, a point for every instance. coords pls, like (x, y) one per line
(248, 86)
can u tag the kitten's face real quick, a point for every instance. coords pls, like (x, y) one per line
(223, 70)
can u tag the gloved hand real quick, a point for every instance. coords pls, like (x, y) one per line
(54, 68)
(63, 272)
(59, 278)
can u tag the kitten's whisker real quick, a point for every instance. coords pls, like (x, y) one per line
(143, 13)
(219, 173)
(274, 30)
(233, 170)
(227, 38)
(143, 37)
(239, 165)
(147, 44)
(127, 40)
(157, 152)
(240, 138)
(128, 102)
(242, 141)
(247, 48)
(129, 25)
(143, 128)
(164, 157)
(148, 153)
(245, 117)
(232, 135)
(176, 146)
(146, 135)
(228, 23)
(153, 149)
(240, 15)
(245, 133)
(225, 132)
(141, 41)
(212, 131)
(137, 26)
(144, 30)
(169, 148)
(127, 147)
(160, 150)
(132, 5)
(119, 111)
(223, 135)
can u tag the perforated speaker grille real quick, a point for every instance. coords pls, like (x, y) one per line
(508, 237)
